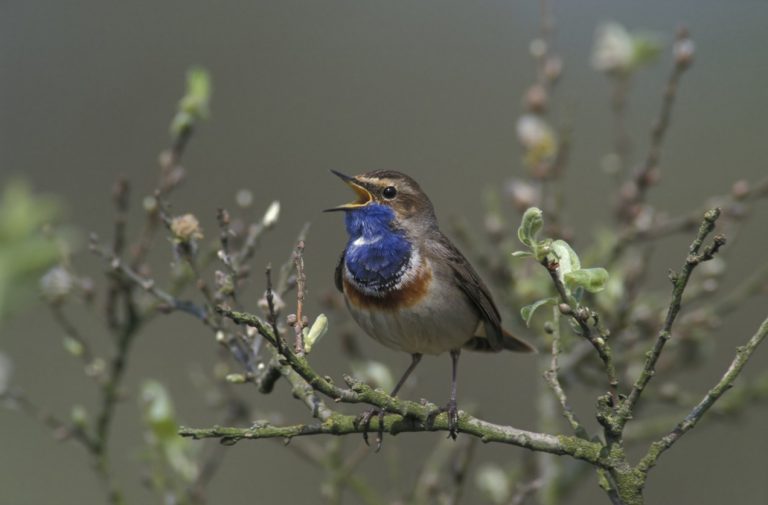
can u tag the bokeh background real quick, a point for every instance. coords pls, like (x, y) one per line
(432, 88)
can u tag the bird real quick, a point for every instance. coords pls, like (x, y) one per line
(408, 286)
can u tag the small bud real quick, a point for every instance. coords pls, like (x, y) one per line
(186, 228)
(73, 346)
(536, 98)
(277, 302)
(538, 48)
(271, 215)
(96, 368)
(291, 319)
(244, 198)
(224, 282)
(236, 378)
(684, 49)
(221, 337)
(316, 332)
(538, 139)
(553, 68)
(740, 189)
(57, 284)
(613, 49)
(530, 225)
(79, 416)
(523, 194)
(149, 204)
(493, 482)
(565, 309)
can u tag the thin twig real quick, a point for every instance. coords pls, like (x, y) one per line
(680, 281)
(582, 316)
(301, 285)
(552, 377)
(724, 384)
(272, 313)
(148, 285)
(634, 195)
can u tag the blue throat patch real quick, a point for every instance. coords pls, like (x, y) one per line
(376, 254)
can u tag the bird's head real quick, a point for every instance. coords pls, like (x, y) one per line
(387, 192)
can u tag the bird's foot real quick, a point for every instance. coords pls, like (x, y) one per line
(364, 421)
(453, 418)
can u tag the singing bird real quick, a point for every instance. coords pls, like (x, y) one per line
(408, 286)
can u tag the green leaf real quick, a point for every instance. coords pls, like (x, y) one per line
(158, 410)
(591, 279)
(530, 226)
(194, 105)
(567, 258)
(646, 48)
(522, 254)
(528, 311)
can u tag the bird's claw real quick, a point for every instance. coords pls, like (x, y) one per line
(364, 422)
(453, 418)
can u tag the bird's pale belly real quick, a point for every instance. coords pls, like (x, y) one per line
(441, 320)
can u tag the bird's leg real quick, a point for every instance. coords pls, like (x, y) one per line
(451, 409)
(365, 418)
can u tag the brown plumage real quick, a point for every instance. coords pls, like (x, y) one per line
(407, 285)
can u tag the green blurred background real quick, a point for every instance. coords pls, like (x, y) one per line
(432, 88)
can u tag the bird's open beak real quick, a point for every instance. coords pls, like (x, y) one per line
(364, 197)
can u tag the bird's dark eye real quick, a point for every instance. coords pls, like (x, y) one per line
(389, 192)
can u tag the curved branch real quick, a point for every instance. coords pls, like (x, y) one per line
(403, 415)
(726, 382)
(340, 424)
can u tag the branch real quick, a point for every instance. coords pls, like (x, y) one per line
(582, 316)
(405, 416)
(148, 285)
(680, 282)
(340, 424)
(552, 378)
(634, 193)
(743, 354)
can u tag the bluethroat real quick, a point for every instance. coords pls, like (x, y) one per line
(408, 286)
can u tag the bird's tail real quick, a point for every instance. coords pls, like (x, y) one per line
(509, 343)
(516, 344)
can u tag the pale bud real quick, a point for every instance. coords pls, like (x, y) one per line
(186, 228)
(244, 198)
(271, 215)
(316, 332)
(537, 137)
(57, 284)
(493, 482)
(536, 98)
(73, 346)
(553, 68)
(684, 49)
(538, 48)
(236, 378)
(613, 49)
(79, 416)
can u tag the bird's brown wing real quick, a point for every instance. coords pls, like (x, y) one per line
(337, 274)
(476, 291)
